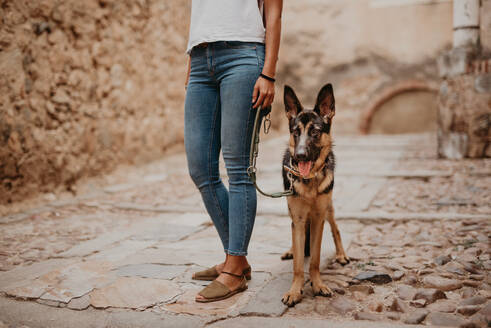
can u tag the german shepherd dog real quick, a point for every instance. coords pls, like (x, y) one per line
(308, 168)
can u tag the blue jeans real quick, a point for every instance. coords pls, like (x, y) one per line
(219, 116)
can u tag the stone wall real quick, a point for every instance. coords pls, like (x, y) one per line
(464, 116)
(86, 85)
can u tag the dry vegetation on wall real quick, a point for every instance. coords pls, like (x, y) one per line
(86, 85)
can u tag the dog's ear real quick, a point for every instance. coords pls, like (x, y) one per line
(292, 104)
(325, 102)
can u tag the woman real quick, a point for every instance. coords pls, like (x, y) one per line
(233, 47)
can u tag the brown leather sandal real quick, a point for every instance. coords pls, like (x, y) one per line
(212, 273)
(216, 291)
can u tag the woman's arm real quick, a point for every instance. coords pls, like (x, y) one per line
(263, 94)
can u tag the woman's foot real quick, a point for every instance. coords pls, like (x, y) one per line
(216, 291)
(233, 280)
(213, 273)
(210, 273)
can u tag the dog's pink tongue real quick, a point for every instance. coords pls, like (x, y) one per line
(304, 168)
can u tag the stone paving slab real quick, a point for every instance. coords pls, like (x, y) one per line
(21, 216)
(77, 280)
(65, 283)
(244, 322)
(163, 253)
(33, 315)
(151, 270)
(97, 244)
(166, 232)
(134, 293)
(79, 303)
(30, 290)
(157, 209)
(267, 302)
(359, 194)
(120, 250)
(18, 276)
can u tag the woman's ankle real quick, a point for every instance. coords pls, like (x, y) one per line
(219, 267)
(236, 264)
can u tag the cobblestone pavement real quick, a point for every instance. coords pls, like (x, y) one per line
(417, 230)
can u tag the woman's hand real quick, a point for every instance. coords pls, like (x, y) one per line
(263, 93)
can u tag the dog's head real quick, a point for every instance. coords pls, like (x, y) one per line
(309, 128)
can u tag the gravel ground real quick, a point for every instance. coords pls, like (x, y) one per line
(465, 186)
(414, 272)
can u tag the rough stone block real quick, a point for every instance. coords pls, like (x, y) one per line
(373, 276)
(442, 305)
(368, 316)
(455, 62)
(429, 294)
(463, 118)
(342, 305)
(453, 145)
(482, 83)
(467, 37)
(444, 319)
(441, 283)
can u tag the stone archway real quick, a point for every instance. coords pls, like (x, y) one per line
(389, 93)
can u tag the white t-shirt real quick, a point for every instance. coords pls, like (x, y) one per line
(225, 20)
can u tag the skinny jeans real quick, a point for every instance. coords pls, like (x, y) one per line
(219, 118)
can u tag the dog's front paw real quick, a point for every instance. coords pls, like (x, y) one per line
(342, 259)
(321, 290)
(292, 297)
(287, 255)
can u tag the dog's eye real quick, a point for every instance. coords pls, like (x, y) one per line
(296, 132)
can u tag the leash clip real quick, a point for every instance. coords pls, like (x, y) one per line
(251, 170)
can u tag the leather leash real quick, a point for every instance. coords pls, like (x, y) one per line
(254, 152)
